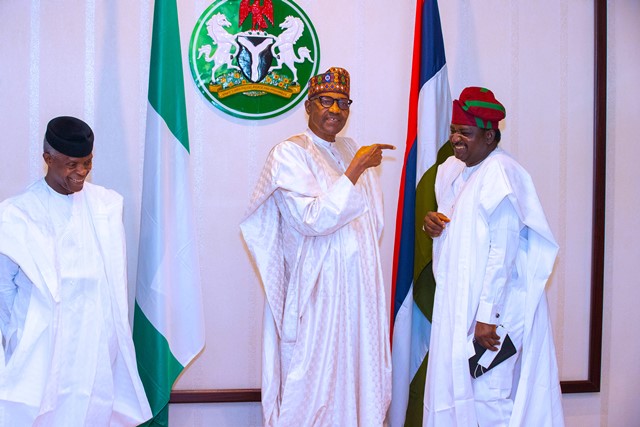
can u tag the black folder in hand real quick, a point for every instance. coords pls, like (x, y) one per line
(506, 351)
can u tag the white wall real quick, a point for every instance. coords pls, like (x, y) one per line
(90, 59)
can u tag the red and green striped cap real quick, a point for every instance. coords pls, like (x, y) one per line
(478, 107)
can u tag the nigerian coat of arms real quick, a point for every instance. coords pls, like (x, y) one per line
(253, 58)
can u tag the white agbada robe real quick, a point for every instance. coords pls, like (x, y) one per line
(314, 237)
(68, 356)
(466, 291)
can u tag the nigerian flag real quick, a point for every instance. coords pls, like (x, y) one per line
(168, 326)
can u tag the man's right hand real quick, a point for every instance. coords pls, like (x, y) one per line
(365, 158)
(434, 223)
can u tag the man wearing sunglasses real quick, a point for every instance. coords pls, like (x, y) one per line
(313, 228)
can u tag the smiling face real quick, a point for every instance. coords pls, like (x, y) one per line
(65, 174)
(326, 122)
(471, 144)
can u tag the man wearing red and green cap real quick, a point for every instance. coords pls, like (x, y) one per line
(313, 228)
(493, 252)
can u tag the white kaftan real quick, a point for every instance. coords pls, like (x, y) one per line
(67, 356)
(314, 237)
(491, 264)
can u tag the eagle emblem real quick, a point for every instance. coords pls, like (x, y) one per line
(258, 12)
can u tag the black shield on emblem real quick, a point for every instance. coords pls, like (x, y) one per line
(255, 56)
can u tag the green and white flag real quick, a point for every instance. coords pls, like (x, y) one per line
(168, 327)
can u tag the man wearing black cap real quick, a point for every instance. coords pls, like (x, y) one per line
(493, 252)
(67, 357)
(313, 228)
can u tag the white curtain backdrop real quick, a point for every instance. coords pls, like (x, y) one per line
(90, 59)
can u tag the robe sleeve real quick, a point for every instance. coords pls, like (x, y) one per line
(303, 203)
(8, 291)
(504, 235)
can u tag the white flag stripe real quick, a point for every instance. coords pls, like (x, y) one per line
(433, 122)
(400, 359)
(173, 309)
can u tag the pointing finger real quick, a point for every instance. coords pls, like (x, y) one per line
(386, 146)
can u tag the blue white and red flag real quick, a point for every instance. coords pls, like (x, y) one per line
(413, 286)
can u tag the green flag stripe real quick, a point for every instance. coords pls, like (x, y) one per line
(415, 407)
(166, 82)
(157, 366)
(424, 291)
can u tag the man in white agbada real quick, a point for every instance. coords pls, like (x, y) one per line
(67, 356)
(493, 253)
(313, 228)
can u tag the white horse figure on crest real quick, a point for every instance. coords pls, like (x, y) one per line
(293, 28)
(225, 41)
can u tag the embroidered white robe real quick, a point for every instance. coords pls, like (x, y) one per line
(314, 237)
